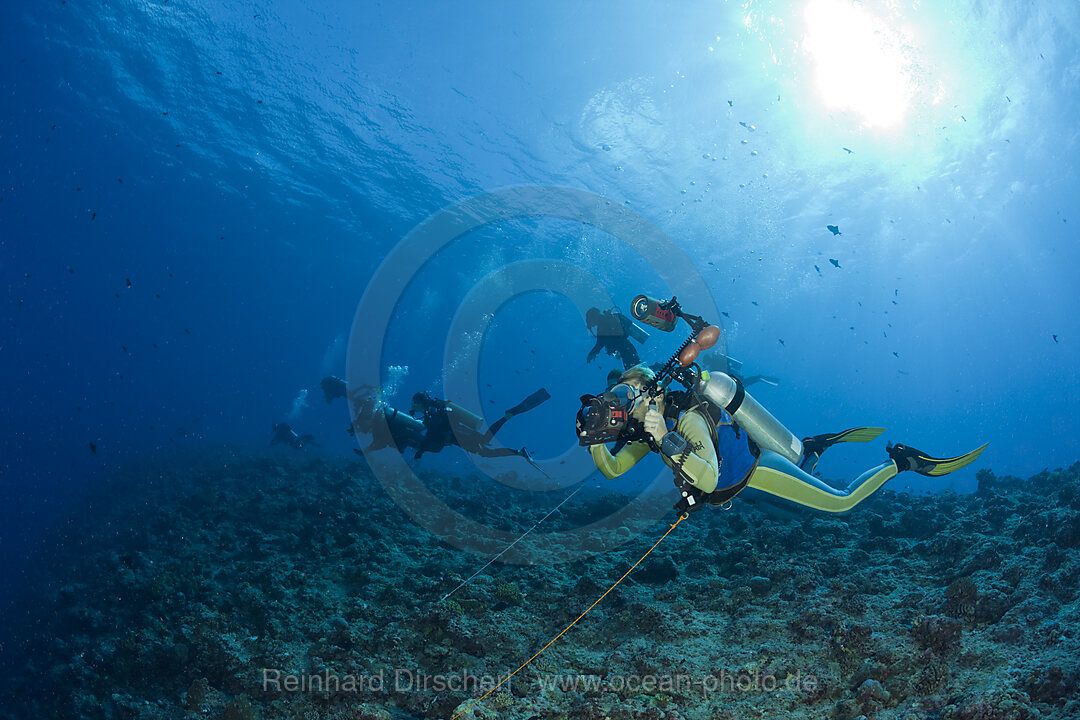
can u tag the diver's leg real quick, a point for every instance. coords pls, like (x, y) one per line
(628, 353)
(809, 461)
(778, 476)
(490, 452)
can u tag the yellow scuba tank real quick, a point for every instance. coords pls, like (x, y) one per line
(765, 430)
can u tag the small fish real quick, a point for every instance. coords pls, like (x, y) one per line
(93, 216)
(895, 303)
(847, 151)
(781, 342)
(187, 331)
(818, 269)
(834, 229)
(835, 262)
(1055, 338)
(753, 302)
(128, 280)
(896, 292)
(21, 302)
(93, 448)
(731, 103)
(124, 348)
(963, 118)
(901, 372)
(724, 314)
(896, 353)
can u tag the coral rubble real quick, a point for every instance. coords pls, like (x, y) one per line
(235, 587)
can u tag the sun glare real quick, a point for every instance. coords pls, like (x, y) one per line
(860, 65)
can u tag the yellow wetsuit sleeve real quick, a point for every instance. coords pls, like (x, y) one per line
(612, 466)
(700, 465)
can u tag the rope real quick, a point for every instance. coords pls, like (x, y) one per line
(467, 580)
(552, 640)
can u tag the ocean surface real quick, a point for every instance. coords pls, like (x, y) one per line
(207, 208)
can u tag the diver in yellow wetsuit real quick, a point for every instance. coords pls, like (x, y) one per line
(714, 459)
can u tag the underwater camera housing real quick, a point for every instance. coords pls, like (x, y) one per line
(603, 418)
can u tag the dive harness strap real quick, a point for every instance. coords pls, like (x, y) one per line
(693, 499)
(725, 495)
(737, 398)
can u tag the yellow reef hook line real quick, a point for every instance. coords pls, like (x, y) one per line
(552, 640)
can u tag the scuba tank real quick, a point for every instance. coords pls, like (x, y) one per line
(461, 416)
(765, 430)
(633, 330)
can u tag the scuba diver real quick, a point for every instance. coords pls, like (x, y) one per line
(283, 434)
(398, 429)
(722, 440)
(432, 424)
(613, 332)
(333, 387)
(718, 361)
(447, 423)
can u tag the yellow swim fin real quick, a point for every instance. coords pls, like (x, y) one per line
(820, 443)
(907, 458)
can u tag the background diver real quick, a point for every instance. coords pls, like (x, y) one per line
(723, 440)
(283, 434)
(447, 423)
(613, 332)
(717, 360)
(431, 425)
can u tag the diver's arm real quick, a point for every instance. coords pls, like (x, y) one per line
(700, 465)
(612, 466)
(600, 342)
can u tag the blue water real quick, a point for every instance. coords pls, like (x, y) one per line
(247, 167)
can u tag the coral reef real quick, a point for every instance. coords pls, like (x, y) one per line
(234, 586)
